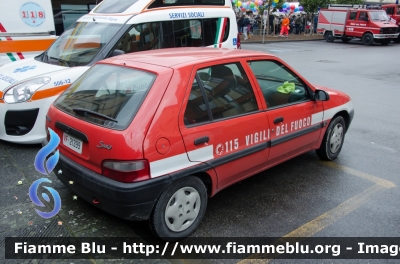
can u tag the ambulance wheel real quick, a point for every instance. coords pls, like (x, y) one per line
(368, 39)
(329, 36)
(180, 209)
(333, 139)
(345, 40)
(385, 42)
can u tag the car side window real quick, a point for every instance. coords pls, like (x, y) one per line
(362, 16)
(228, 92)
(176, 33)
(140, 37)
(352, 15)
(196, 108)
(390, 10)
(279, 85)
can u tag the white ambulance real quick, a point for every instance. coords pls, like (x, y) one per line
(26, 29)
(114, 27)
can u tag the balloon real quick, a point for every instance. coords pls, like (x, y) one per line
(244, 5)
(285, 5)
(292, 7)
(239, 3)
(252, 5)
(260, 2)
(301, 8)
(276, 1)
(243, 9)
(281, 10)
(296, 9)
(273, 4)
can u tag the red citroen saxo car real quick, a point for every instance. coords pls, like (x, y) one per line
(152, 135)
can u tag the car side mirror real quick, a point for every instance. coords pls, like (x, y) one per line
(116, 53)
(321, 95)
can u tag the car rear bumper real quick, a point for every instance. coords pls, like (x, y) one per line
(130, 201)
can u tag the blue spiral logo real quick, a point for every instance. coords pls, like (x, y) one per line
(46, 165)
(35, 199)
(51, 162)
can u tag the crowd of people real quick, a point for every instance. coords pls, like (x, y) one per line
(281, 25)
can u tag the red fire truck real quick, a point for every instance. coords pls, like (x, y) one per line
(346, 22)
(393, 11)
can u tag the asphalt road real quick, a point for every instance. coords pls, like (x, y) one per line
(355, 196)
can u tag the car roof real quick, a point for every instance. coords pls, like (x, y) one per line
(178, 57)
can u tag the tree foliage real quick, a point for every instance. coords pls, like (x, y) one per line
(271, 8)
(268, 6)
(311, 6)
(348, 2)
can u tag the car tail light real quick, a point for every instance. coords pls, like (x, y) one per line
(126, 171)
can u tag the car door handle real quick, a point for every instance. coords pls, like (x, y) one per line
(278, 120)
(198, 141)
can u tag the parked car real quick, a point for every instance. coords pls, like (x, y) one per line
(28, 87)
(151, 136)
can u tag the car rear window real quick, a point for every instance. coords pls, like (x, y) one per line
(107, 95)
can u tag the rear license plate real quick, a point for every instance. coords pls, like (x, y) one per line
(72, 143)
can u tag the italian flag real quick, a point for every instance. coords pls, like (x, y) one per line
(221, 27)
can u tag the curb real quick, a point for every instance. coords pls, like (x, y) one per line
(267, 41)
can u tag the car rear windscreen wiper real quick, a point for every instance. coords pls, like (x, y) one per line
(82, 110)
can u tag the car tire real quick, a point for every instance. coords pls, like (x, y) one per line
(385, 42)
(368, 39)
(333, 139)
(180, 209)
(397, 40)
(329, 36)
(345, 39)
